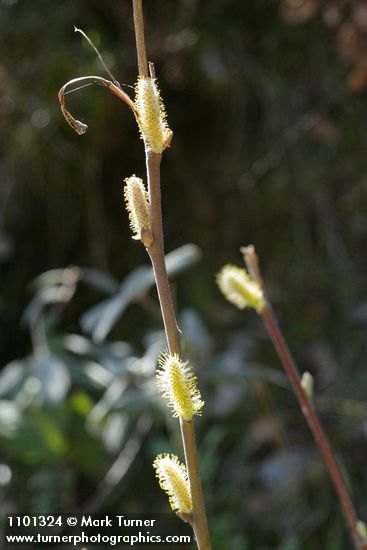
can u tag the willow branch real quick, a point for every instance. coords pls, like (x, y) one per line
(308, 410)
(173, 334)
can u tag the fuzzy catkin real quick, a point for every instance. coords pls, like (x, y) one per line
(177, 383)
(151, 115)
(239, 289)
(173, 479)
(137, 205)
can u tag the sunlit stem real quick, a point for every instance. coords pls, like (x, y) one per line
(156, 253)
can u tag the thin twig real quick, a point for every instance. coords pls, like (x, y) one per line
(114, 80)
(308, 410)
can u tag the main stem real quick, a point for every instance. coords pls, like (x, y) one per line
(139, 37)
(156, 254)
(313, 422)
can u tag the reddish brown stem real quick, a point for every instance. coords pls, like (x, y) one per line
(309, 412)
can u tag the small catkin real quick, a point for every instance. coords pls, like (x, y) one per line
(239, 289)
(151, 115)
(173, 479)
(307, 384)
(177, 383)
(362, 530)
(137, 205)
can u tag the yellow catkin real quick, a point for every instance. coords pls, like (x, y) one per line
(137, 205)
(239, 289)
(172, 476)
(151, 115)
(177, 383)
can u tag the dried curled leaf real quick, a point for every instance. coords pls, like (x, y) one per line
(77, 125)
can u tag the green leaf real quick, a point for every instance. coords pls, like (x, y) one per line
(54, 377)
(11, 378)
(100, 319)
(52, 435)
(10, 418)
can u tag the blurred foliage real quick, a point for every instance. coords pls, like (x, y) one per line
(267, 102)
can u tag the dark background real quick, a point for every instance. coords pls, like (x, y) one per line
(267, 102)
